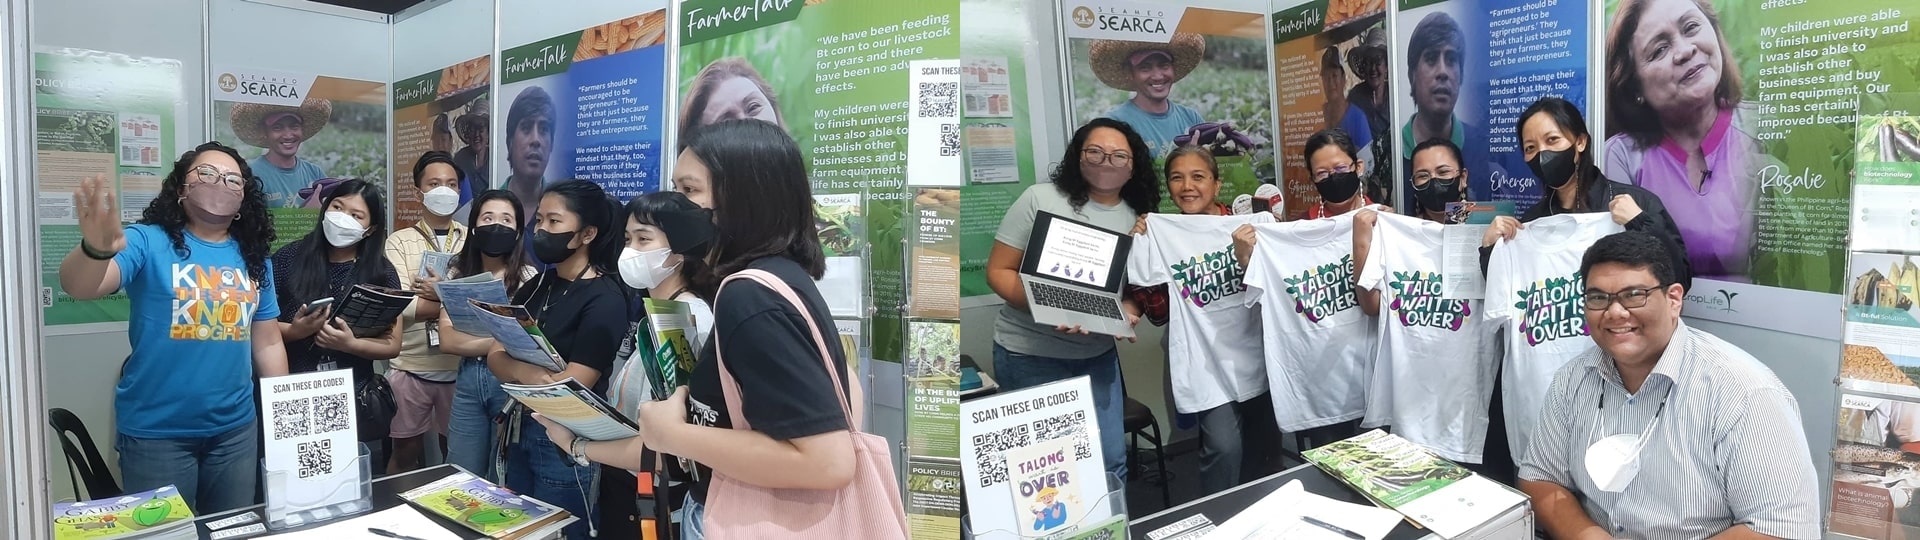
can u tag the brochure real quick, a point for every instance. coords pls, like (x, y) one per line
(575, 407)
(1875, 467)
(515, 330)
(371, 310)
(435, 261)
(484, 507)
(671, 349)
(1046, 486)
(455, 295)
(1399, 474)
(160, 514)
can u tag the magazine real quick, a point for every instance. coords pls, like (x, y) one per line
(371, 310)
(1399, 474)
(436, 262)
(575, 407)
(515, 330)
(455, 294)
(159, 514)
(486, 508)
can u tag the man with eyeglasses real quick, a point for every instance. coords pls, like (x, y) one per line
(1665, 431)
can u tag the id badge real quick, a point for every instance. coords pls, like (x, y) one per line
(329, 365)
(433, 336)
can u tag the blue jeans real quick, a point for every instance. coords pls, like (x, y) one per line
(1015, 371)
(541, 469)
(691, 514)
(477, 400)
(214, 474)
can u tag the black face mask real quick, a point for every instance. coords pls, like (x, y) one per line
(1553, 167)
(496, 240)
(551, 248)
(1437, 193)
(1338, 187)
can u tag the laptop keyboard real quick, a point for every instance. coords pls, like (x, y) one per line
(1075, 300)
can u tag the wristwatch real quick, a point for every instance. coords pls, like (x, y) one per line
(579, 452)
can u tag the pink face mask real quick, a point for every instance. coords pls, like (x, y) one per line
(213, 202)
(1105, 177)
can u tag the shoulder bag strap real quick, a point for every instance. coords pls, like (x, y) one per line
(731, 388)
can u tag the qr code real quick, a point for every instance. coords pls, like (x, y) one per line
(939, 100)
(1066, 425)
(46, 297)
(330, 413)
(292, 418)
(990, 448)
(316, 458)
(949, 140)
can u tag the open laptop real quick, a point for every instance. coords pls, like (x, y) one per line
(1073, 273)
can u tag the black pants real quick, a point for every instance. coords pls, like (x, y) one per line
(1239, 442)
(1312, 438)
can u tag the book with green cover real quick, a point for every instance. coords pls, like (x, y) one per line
(159, 513)
(1386, 467)
(671, 354)
(484, 507)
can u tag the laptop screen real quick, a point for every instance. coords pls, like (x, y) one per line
(1065, 250)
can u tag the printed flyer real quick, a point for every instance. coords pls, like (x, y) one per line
(1886, 187)
(301, 133)
(591, 82)
(1177, 76)
(936, 263)
(1749, 135)
(933, 427)
(1882, 332)
(1876, 467)
(1331, 70)
(997, 128)
(98, 114)
(445, 111)
(994, 429)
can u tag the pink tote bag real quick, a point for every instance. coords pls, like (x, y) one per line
(868, 507)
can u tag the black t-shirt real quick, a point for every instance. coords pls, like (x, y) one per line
(304, 355)
(584, 319)
(772, 355)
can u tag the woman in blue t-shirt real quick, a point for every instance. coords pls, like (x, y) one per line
(197, 279)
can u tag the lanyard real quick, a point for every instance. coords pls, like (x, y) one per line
(434, 239)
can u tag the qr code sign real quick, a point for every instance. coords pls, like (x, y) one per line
(939, 100)
(46, 297)
(949, 140)
(316, 458)
(292, 418)
(330, 413)
(1066, 425)
(991, 446)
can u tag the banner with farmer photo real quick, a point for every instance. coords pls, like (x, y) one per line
(445, 110)
(300, 134)
(1177, 75)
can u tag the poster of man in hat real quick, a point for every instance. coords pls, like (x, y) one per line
(1179, 75)
(281, 130)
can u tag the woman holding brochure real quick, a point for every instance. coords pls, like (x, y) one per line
(798, 439)
(348, 248)
(581, 308)
(493, 248)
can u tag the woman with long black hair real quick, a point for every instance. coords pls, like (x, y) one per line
(347, 248)
(494, 248)
(201, 305)
(582, 309)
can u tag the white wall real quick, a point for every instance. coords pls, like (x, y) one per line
(448, 34)
(527, 21)
(1808, 366)
(247, 34)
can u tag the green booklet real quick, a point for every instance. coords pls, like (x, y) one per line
(666, 337)
(160, 513)
(1387, 468)
(484, 507)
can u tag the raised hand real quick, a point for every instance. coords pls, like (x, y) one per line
(98, 210)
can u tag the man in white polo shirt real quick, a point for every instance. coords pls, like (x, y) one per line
(1665, 431)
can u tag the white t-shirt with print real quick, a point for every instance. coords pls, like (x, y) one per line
(1432, 368)
(1319, 345)
(1533, 293)
(1214, 355)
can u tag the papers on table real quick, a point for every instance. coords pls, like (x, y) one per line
(402, 520)
(1281, 515)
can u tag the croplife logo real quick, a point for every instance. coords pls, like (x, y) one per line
(1721, 302)
(228, 82)
(1083, 17)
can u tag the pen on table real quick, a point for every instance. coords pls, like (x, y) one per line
(1332, 527)
(398, 536)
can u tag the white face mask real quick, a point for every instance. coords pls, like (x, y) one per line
(441, 201)
(646, 269)
(341, 229)
(1612, 462)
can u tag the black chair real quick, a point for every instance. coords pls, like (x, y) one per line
(1141, 424)
(83, 463)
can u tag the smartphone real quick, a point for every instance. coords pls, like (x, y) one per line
(317, 304)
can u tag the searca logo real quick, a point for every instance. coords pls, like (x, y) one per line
(228, 82)
(1149, 21)
(1083, 17)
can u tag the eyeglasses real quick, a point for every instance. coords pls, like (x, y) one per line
(1442, 173)
(1630, 298)
(1323, 174)
(1096, 156)
(206, 174)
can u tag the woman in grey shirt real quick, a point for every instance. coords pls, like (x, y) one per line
(1105, 179)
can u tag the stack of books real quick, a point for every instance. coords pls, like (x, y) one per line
(1436, 494)
(160, 514)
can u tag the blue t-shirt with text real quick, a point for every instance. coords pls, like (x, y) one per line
(191, 327)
